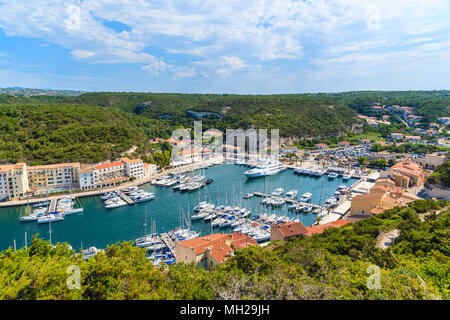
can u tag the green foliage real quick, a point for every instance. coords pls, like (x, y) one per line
(49, 133)
(441, 176)
(331, 265)
(380, 163)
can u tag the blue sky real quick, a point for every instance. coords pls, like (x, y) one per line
(253, 46)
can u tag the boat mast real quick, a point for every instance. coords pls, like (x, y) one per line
(145, 222)
(50, 230)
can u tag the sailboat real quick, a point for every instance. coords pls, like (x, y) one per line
(30, 216)
(146, 240)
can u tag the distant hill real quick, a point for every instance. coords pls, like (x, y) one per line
(19, 91)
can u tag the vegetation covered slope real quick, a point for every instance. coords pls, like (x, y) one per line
(52, 133)
(429, 104)
(441, 176)
(332, 265)
(294, 115)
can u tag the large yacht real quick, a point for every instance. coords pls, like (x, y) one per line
(265, 169)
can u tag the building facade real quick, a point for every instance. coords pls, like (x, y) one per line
(13, 181)
(53, 177)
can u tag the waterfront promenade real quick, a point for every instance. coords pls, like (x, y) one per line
(95, 192)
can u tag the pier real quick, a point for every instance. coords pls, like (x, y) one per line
(169, 243)
(125, 197)
(52, 206)
(263, 195)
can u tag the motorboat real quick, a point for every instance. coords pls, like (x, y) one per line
(306, 197)
(89, 253)
(332, 175)
(330, 202)
(291, 194)
(266, 169)
(278, 192)
(51, 217)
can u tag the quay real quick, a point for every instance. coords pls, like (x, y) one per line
(125, 197)
(169, 243)
(263, 195)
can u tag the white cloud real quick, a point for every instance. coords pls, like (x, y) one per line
(222, 37)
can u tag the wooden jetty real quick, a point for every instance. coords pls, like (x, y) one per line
(169, 243)
(125, 197)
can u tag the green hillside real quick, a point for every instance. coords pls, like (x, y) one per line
(52, 133)
(334, 265)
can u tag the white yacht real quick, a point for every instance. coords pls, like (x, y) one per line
(306, 197)
(278, 192)
(266, 169)
(291, 194)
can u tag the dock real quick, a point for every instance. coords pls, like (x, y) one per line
(125, 197)
(52, 206)
(169, 243)
(263, 195)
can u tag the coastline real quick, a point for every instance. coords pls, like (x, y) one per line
(104, 190)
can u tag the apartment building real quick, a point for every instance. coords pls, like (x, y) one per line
(13, 181)
(53, 177)
(134, 168)
(109, 174)
(87, 181)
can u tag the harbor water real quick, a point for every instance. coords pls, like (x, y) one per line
(97, 226)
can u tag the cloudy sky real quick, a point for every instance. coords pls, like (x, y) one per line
(232, 46)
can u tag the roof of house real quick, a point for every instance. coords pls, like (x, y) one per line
(200, 245)
(7, 167)
(219, 250)
(370, 195)
(344, 142)
(54, 166)
(131, 161)
(320, 228)
(109, 165)
(290, 229)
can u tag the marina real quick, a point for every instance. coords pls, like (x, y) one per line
(97, 226)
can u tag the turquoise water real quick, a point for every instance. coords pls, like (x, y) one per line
(97, 226)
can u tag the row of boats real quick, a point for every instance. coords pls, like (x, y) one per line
(113, 199)
(332, 174)
(181, 182)
(51, 211)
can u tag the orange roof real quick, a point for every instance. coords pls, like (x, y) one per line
(53, 166)
(379, 188)
(290, 229)
(344, 142)
(200, 245)
(109, 165)
(131, 161)
(368, 196)
(219, 250)
(320, 228)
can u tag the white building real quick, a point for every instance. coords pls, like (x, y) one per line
(134, 168)
(150, 169)
(87, 179)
